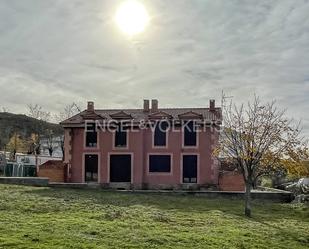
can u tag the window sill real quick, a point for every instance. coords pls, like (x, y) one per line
(190, 146)
(160, 173)
(120, 147)
(91, 148)
(159, 147)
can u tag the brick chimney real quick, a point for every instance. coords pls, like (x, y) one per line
(146, 105)
(212, 105)
(154, 105)
(90, 106)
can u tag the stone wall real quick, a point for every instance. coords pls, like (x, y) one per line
(33, 181)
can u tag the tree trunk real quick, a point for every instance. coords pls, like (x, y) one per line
(255, 183)
(50, 150)
(62, 148)
(248, 199)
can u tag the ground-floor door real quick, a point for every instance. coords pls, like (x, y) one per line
(189, 168)
(120, 168)
(91, 168)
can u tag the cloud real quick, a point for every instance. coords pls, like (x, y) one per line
(56, 52)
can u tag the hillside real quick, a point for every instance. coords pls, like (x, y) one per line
(23, 125)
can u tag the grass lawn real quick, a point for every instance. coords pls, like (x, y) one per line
(64, 218)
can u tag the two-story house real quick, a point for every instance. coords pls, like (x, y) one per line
(147, 148)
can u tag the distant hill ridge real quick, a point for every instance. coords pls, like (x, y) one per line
(23, 125)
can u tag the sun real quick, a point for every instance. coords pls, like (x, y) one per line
(132, 17)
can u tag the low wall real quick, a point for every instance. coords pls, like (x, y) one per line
(255, 195)
(68, 185)
(54, 175)
(33, 181)
(231, 181)
(282, 196)
(54, 170)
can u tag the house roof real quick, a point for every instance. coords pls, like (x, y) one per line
(137, 115)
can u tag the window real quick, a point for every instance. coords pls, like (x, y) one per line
(189, 168)
(160, 133)
(120, 137)
(91, 135)
(159, 163)
(190, 134)
(120, 168)
(91, 168)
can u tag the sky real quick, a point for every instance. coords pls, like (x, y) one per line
(54, 52)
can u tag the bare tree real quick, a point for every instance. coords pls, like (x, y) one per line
(50, 142)
(258, 138)
(5, 109)
(67, 112)
(61, 144)
(36, 111)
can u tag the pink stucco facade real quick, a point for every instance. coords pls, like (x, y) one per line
(140, 146)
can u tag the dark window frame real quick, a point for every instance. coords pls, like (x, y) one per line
(160, 137)
(121, 172)
(188, 131)
(154, 158)
(91, 140)
(191, 176)
(94, 168)
(120, 137)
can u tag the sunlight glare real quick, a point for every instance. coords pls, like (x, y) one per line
(132, 17)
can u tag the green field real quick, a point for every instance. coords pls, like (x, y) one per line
(63, 218)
